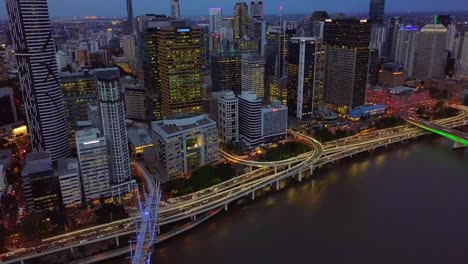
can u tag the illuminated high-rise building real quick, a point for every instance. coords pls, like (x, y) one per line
(226, 71)
(79, 90)
(305, 76)
(277, 47)
(431, 55)
(112, 110)
(180, 67)
(347, 48)
(38, 76)
(405, 48)
(253, 74)
(241, 20)
(377, 11)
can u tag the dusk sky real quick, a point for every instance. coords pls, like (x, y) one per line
(59, 8)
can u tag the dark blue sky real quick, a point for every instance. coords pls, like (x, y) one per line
(197, 7)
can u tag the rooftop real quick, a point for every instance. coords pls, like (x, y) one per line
(35, 156)
(139, 137)
(401, 89)
(432, 28)
(181, 123)
(67, 166)
(5, 156)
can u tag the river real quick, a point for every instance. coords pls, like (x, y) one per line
(407, 204)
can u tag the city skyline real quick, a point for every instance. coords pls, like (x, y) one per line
(70, 8)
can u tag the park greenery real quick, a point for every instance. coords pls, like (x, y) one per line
(439, 111)
(389, 122)
(201, 178)
(286, 151)
(325, 135)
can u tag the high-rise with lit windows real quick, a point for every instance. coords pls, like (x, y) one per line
(38, 76)
(180, 67)
(241, 20)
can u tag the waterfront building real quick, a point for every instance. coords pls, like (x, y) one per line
(175, 9)
(184, 143)
(250, 119)
(431, 53)
(347, 50)
(274, 122)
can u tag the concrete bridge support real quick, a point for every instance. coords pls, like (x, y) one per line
(71, 250)
(117, 242)
(253, 195)
(277, 185)
(225, 207)
(299, 176)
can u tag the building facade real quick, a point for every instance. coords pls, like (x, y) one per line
(94, 164)
(225, 112)
(250, 119)
(38, 75)
(253, 74)
(79, 90)
(377, 11)
(274, 122)
(405, 49)
(41, 186)
(112, 112)
(226, 71)
(431, 55)
(180, 68)
(183, 144)
(70, 184)
(241, 20)
(347, 49)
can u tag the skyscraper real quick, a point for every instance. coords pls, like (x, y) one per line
(38, 74)
(253, 74)
(180, 68)
(303, 57)
(250, 119)
(79, 90)
(376, 11)
(347, 61)
(225, 112)
(112, 110)
(129, 25)
(226, 71)
(406, 47)
(175, 9)
(316, 23)
(256, 9)
(392, 37)
(215, 19)
(241, 14)
(431, 55)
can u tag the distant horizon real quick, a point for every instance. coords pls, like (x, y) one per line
(100, 8)
(429, 12)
